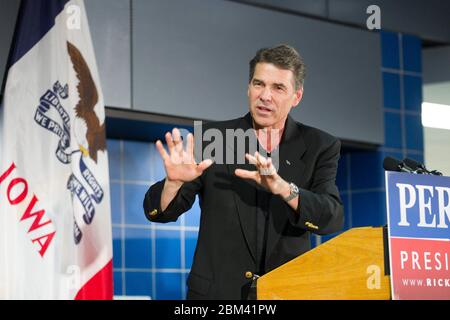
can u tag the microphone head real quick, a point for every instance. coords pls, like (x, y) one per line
(391, 164)
(436, 173)
(413, 164)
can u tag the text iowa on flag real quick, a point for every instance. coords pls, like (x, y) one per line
(55, 227)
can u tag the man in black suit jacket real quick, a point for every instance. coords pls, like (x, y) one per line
(253, 221)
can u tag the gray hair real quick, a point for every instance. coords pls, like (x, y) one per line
(283, 56)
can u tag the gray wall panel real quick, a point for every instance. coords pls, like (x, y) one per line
(436, 64)
(427, 19)
(109, 22)
(191, 59)
(313, 7)
(436, 75)
(437, 92)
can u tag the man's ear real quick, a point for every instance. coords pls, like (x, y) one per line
(298, 96)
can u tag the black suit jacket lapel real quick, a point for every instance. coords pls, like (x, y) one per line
(244, 192)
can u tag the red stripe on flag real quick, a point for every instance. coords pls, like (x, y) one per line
(99, 287)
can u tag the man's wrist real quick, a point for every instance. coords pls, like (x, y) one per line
(285, 190)
(293, 192)
(172, 184)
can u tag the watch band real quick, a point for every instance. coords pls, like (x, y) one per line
(294, 192)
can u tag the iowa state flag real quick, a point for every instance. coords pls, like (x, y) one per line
(55, 226)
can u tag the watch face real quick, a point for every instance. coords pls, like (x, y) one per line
(294, 188)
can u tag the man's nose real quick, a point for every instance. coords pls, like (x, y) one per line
(266, 95)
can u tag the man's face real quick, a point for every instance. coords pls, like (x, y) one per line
(271, 95)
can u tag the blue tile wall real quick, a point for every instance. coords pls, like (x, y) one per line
(149, 259)
(117, 283)
(391, 90)
(134, 195)
(412, 57)
(137, 163)
(414, 132)
(139, 283)
(169, 286)
(390, 53)
(393, 130)
(168, 249)
(412, 93)
(138, 248)
(153, 259)
(117, 247)
(366, 171)
(368, 209)
(116, 209)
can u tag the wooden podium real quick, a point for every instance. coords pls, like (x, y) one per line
(349, 266)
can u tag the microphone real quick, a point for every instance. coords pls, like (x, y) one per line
(392, 164)
(420, 167)
(416, 166)
(436, 173)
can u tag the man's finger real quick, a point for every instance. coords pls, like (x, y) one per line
(260, 159)
(245, 174)
(251, 159)
(202, 166)
(177, 140)
(169, 142)
(190, 147)
(161, 150)
(270, 164)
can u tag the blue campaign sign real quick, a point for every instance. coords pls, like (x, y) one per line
(418, 205)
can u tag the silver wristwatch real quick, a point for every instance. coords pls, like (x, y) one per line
(294, 192)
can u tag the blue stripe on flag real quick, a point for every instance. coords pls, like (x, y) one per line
(35, 19)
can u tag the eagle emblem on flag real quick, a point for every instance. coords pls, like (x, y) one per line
(88, 131)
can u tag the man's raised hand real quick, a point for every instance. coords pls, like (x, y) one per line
(180, 163)
(266, 175)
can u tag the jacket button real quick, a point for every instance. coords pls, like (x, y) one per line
(249, 275)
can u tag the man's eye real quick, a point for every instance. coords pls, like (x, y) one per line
(280, 88)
